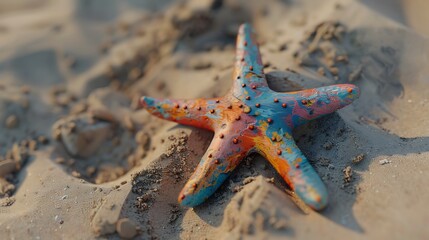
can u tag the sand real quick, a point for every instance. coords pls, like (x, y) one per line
(80, 160)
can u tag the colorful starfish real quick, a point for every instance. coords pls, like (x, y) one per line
(253, 118)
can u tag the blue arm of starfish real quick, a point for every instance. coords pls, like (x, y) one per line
(249, 70)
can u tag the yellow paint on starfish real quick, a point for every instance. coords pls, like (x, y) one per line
(287, 136)
(246, 109)
(297, 161)
(277, 137)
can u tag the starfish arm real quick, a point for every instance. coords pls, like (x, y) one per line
(248, 67)
(216, 165)
(195, 113)
(295, 169)
(313, 103)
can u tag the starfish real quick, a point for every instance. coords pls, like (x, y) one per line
(253, 118)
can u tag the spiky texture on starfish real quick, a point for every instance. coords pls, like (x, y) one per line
(253, 118)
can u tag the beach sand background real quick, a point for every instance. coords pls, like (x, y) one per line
(80, 160)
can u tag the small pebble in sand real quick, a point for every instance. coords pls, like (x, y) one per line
(32, 145)
(270, 180)
(348, 173)
(12, 121)
(174, 214)
(8, 201)
(79, 108)
(43, 140)
(126, 228)
(7, 167)
(63, 99)
(103, 115)
(70, 162)
(201, 65)
(359, 158)
(342, 58)
(90, 171)
(19, 153)
(6, 188)
(328, 145)
(324, 161)
(283, 47)
(75, 174)
(384, 161)
(135, 74)
(248, 180)
(58, 219)
(60, 160)
(334, 70)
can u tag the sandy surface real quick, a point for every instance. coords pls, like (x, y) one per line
(80, 160)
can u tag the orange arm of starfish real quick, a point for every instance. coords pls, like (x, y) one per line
(197, 113)
(295, 169)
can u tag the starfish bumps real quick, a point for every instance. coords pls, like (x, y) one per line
(253, 118)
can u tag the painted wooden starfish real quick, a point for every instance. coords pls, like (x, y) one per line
(253, 118)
